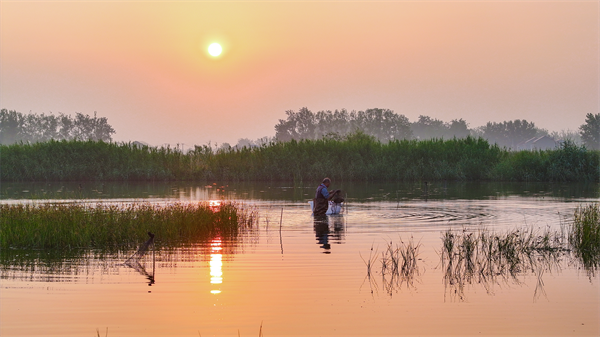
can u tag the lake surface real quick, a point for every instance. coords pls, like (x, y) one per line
(291, 275)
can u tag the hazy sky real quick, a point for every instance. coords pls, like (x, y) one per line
(145, 65)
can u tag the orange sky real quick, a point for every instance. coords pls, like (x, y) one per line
(144, 65)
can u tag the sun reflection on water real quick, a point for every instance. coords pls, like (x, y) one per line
(216, 264)
(215, 205)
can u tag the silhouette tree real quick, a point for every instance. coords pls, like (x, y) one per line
(383, 124)
(427, 128)
(17, 127)
(510, 133)
(590, 131)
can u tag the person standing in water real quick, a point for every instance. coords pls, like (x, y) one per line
(322, 197)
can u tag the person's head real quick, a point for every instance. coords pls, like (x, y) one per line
(326, 182)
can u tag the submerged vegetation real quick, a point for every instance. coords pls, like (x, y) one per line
(356, 157)
(77, 225)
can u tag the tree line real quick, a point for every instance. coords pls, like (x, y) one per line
(385, 125)
(17, 127)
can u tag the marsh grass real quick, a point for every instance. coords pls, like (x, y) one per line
(584, 236)
(370, 261)
(78, 225)
(490, 258)
(356, 157)
(98, 332)
(398, 265)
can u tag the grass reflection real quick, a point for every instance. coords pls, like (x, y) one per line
(399, 266)
(490, 258)
(77, 265)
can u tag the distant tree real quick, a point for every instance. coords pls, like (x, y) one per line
(383, 124)
(17, 127)
(225, 147)
(459, 128)
(298, 125)
(11, 126)
(509, 134)
(426, 128)
(244, 142)
(565, 135)
(590, 131)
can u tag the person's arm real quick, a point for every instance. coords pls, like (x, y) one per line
(332, 194)
(325, 193)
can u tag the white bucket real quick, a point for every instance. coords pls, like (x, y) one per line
(333, 208)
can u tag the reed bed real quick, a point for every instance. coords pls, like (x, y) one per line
(356, 157)
(489, 258)
(76, 225)
(584, 236)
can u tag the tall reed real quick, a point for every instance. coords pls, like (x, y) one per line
(356, 157)
(584, 236)
(79, 225)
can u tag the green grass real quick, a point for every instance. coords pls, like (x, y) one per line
(584, 236)
(75, 225)
(356, 157)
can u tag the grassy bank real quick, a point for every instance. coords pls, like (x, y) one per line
(101, 225)
(353, 158)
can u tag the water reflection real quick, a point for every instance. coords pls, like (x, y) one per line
(135, 260)
(399, 266)
(87, 265)
(216, 264)
(489, 259)
(329, 228)
(356, 192)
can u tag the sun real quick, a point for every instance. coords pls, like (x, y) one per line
(215, 49)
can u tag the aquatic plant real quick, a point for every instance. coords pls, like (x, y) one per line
(486, 257)
(584, 236)
(398, 265)
(370, 261)
(123, 225)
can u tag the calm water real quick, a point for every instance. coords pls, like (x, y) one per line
(293, 276)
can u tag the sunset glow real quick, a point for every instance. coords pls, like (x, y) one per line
(152, 74)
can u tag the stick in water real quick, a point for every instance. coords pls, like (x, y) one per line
(280, 223)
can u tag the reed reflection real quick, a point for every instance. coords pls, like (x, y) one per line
(329, 228)
(490, 259)
(399, 266)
